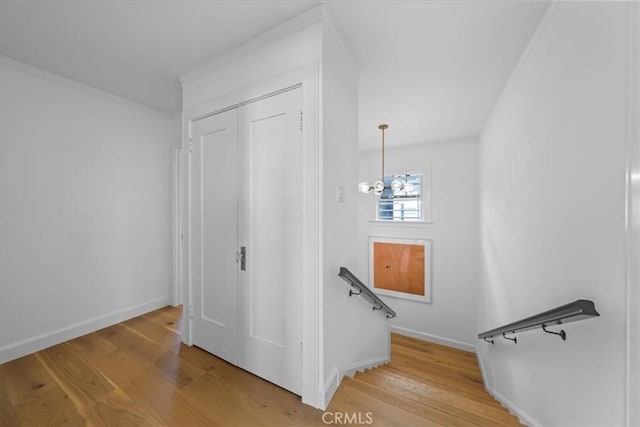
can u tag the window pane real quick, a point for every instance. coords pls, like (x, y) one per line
(404, 204)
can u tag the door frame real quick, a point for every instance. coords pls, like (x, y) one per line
(177, 187)
(308, 79)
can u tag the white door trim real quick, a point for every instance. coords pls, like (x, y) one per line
(632, 223)
(308, 79)
(177, 226)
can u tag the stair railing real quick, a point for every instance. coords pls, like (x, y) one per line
(577, 310)
(365, 292)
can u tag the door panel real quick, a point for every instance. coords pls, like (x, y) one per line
(267, 148)
(214, 235)
(246, 192)
(270, 226)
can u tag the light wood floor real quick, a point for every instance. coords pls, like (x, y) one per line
(138, 373)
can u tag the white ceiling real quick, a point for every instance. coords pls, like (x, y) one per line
(432, 70)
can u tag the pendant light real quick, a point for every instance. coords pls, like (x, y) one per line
(378, 187)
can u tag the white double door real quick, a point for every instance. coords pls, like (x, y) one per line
(246, 237)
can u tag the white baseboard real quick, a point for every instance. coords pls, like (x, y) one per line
(433, 338)
(330, 388)
(334, 380)
(524, 418)
(42, 341)
(485, 380)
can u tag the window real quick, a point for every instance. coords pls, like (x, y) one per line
(404, 204)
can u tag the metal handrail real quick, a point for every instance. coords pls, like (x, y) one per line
(577, 310)
(365, 292)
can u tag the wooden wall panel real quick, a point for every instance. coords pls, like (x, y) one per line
(399, 267)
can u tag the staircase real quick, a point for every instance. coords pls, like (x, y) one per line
(424, 384)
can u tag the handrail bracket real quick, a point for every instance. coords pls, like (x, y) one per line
(351, 293)
(562, 333)
(514, 339)
(364, 292)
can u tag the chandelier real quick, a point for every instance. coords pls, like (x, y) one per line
(378, 186)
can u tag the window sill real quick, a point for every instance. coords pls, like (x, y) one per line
(419, 224)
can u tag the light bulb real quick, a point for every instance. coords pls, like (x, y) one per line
(364, 187)
(378, 187)
(396, 185)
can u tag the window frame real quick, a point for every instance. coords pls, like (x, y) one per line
(422, 168)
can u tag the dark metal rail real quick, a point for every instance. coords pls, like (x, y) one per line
(364, 291)
(577, 310)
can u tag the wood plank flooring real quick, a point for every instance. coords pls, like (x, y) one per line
(424, 384)
(138, 373)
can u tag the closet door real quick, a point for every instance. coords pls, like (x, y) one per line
(270, 228)
(214, 189)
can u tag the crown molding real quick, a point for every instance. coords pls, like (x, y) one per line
(72, 84)
(307, 19)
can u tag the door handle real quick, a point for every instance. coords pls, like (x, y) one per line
(243, 258)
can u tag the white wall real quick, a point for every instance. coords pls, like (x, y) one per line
(449, 318)
(552, 167)
(633, 223)
(85, 210)
(355, 337)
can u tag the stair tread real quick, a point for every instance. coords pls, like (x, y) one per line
(438, 397)
(464, 388)
(412, 383)
(436, 411)
(423, 384)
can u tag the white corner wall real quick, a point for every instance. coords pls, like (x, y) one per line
(552, 221)
(355, 337)
(449, 318)
(85, 210)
